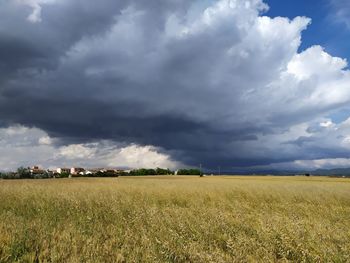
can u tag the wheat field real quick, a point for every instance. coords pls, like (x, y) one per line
(175, 219)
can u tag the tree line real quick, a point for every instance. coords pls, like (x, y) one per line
(25, 173)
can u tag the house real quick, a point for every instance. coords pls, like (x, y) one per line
(88, 172)
(111, 171)
(63, 170)
(36, 170)
(77, 170)
(97, 170)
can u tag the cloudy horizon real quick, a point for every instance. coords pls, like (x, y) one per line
(232, 83)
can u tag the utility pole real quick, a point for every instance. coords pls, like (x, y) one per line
(219, 170)
(200, 169)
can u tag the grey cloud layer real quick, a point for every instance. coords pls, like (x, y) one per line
(209, 82)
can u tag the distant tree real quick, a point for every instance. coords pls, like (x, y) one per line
(122, 173)
(132, 173)
(150, 172)
(182, 172)
(9, 176)
(160, 171)
(143, 172)
(104, 174)
(99, 174)
(64, 175)
(110, 174)
(118, 173)
(44, 175)
(189, 172)
(24, 173)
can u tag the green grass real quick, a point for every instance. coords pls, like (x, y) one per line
(175, 219)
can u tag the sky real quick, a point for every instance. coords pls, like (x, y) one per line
(241, 84)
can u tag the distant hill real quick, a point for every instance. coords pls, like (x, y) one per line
(320, 172)
(335, 171)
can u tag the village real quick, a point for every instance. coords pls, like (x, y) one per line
(75, 171)
(36, 172)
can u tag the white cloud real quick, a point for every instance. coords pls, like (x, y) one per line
(308, 165)
(22, 146)
(46, 140)
(316, 62)
(341, 11)
(76, 151)
(323, 163)
(147, 156)
(15, 130)
(36, 5)
(327, 124)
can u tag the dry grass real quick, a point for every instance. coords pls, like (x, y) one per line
(176, 219)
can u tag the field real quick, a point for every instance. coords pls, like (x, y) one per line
(175, 219)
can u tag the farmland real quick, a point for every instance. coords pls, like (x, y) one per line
(175, 219)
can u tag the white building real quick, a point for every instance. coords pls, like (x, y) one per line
(63, 170)
(77, 170)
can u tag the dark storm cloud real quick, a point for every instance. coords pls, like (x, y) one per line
(202, 84)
